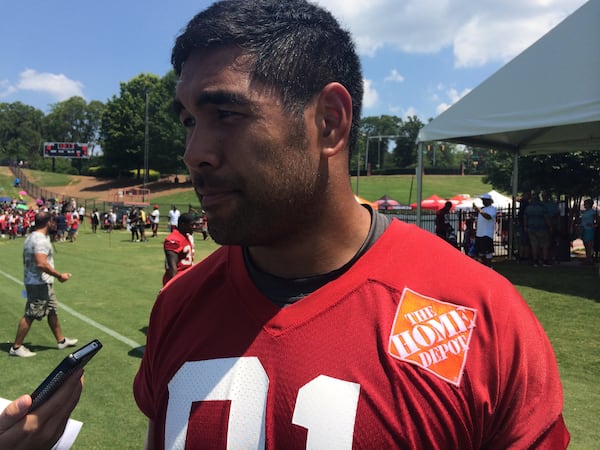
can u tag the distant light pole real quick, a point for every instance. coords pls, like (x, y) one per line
(358, 164)
(146, 144)
(379, 137)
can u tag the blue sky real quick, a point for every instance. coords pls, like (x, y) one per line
(418, 56)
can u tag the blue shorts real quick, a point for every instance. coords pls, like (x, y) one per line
(588, 234)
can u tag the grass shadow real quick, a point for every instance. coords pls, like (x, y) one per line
(5, 347)
(137, 352)
(569, 278)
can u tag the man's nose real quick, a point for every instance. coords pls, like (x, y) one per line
(201, 150)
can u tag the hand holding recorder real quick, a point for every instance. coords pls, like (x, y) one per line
(38, 420)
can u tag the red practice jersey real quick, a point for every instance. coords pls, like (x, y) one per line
(184, 248)
(396, 353)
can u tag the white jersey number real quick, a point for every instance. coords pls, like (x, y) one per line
(325, 406)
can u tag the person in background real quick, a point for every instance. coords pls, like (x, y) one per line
(524, 245)
(81, 213)
(112, 217)
(318, 322)
(174, 214)
(40, 273)
(74, 226)
(132, 222)
(141, 223)
(204, 226)
(442, 221)
(61, 227)
(155, 219)
(538, 227)
(553, 213)
(484, 230)
(179, 247)
(95, 220)
(589, 226)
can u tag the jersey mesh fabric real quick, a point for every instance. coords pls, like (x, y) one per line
(178, 243)
(332, 346)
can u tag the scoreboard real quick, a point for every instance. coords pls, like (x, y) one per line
(66, 150)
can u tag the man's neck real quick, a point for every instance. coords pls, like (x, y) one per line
(319, 251)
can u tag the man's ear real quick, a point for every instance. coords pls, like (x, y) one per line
(334, 118)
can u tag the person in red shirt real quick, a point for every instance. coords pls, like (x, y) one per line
(179, 246)
(73, 226)
(318, 322)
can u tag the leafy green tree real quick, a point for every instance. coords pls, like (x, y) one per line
(574, 174)
(20, 133)
(167, 136)
(375, 144)
(74, 120)
(404, 153)
(403, 134)
(124, 125)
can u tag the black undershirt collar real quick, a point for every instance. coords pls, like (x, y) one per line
(284, 291)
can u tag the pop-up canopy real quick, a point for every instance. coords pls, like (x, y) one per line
(546, 100)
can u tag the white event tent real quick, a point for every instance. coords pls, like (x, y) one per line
(499, 201)
(546, 100)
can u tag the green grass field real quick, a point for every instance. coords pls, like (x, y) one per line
(115, 282)
(114, 285)
(403, 188)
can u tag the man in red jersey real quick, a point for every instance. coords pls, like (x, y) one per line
(179, 247)
(318, 323)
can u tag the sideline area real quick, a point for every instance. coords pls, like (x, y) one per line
(125, 340)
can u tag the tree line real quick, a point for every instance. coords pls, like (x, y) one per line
(141, 115)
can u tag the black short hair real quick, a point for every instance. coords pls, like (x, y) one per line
(41, 219)
(295, 47)
(186, 218)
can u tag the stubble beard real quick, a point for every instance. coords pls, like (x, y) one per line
(279, 207)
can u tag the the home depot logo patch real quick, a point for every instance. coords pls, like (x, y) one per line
(432, 334)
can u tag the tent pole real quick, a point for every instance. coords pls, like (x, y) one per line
(419, 182)
(515, 192)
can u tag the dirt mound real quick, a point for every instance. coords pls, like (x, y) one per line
(86, 187)
(90, 187)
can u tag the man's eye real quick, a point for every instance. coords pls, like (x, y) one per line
(224, 113)
(188, 122)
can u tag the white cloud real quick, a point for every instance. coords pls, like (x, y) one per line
(6, 88)
(56, 85)
(441, 108)
(370, 96)
(401, 112)
(452, 96)
(410, 111)
(478, 32)
(394, 76)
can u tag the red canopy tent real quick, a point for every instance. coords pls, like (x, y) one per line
(386, 202)
(365, 201)
(434, 202)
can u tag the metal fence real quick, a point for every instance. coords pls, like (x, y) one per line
(459, 221)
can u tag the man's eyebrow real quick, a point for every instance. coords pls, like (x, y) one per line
(214, 98)
(177, 107)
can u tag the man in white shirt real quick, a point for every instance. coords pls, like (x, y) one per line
(155, 218)
(174, 217)
(486, 225)
(39, 274)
